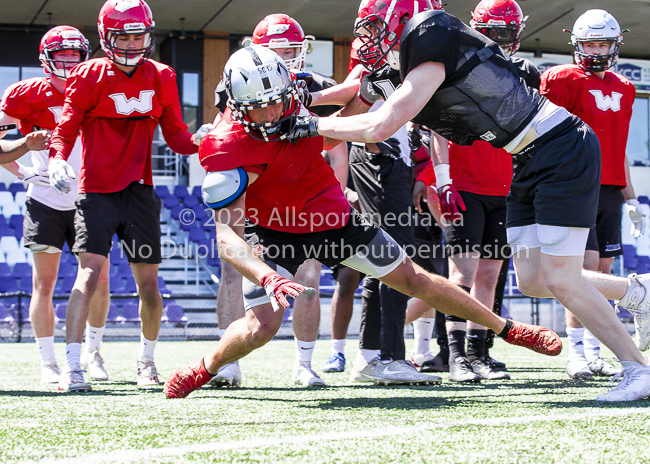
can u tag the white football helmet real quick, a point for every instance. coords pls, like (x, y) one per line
(592, 26)
(256, 77)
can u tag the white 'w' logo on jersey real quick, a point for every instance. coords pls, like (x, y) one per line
(143, 104)
(604, 102)
(56, 111)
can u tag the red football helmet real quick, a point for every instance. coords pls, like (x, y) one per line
(122, 17)
(379, 25)
(282, 31)
(62, 38)
(500, 20)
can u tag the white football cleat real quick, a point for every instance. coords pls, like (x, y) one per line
(634, 384)
(637, 301)
(577, 368)
(228, 376)
(94, 365)
(363, 372)
(304, 375)
(147, 373)
(50, 372)
(402, 372)
(73, 381)
(601, 367)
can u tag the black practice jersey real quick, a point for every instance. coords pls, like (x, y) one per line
(384, 81)
(482, 96)
(527, 71)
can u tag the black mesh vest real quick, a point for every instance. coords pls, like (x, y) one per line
(482, 96)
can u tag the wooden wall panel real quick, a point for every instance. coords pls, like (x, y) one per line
(215, 55)
(341, 57)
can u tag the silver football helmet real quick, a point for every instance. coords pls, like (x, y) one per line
(256, 77)
(592, 26)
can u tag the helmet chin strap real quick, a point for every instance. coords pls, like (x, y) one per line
(393, 59)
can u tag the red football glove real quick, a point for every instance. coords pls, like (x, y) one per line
(450, 200)
(278, 288)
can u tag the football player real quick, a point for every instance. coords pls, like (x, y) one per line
(461, 85)
(49, 218)
(478, 179)
(297, 210)
(603, 99)
(11, 150)
(117, 102)
(284, 35)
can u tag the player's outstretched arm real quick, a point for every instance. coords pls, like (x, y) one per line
(11, 150)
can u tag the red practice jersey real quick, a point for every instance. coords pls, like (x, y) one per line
(117, 116)
(35, 102)
(480, 168)
(604, 104)
(296, 191)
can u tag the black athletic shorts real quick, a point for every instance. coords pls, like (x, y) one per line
(329, 247)
(556, 178)
(132, 213)
(482, 227)
(605, 238)
(48, 226)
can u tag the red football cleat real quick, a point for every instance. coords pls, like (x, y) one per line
(534, 337)
(184, 381)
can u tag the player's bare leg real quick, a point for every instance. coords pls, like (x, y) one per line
(150, 308)
(306, 320)
(41, 312)
(83, 291)
(412, 280)
(91, 360)
(254, 330)
(230, 307)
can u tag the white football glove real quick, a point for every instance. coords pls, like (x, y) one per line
(202, 132)
(60, 173)
(32, 175)
(636, 216)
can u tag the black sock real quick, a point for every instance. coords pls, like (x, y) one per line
(504, 333)
(456, 344)
(466, 289)
(441, 337)
(489, 342)
(476, 343)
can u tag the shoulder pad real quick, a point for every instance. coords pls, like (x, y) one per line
(222, 188)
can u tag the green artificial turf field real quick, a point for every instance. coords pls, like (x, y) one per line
(539, 416)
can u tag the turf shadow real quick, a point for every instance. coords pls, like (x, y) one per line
(398, 403)
(63, 394)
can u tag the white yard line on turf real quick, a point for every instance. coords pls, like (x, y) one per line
(271, 442)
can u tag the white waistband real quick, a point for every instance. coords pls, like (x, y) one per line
(549, 116)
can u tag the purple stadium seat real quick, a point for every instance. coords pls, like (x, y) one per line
(18, 233)
(4, 314)
(16, 187)
(170, 201)
(643, 264)
(16, 221)
(162, 191)
(117, 255)
(130, 285)
(59, 310)
(190, 200)
(25, 284)
(180, 191)
(67, 269)
(58, 288)
(200, 213)
(113, 313)
(196, 191)
(3, 220)
(3, 187)
(644, 199)
(177, 211)
(130, 312)
(117, 285)
(68, 283)
(8, 284)
(6, 231)
(124, 269)
(22, 270)
(175, 313)
(197, 234)
(5, 270)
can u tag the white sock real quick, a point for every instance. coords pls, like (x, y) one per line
(592, 346)
(93, 337)
(576, 342)
(365, 356)
(146, 347)
(422, 332)
(45, 346)
(72, 356)
(304, 351)
(338, 346)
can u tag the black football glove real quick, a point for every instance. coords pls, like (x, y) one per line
(302, 127)
(415, 139)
